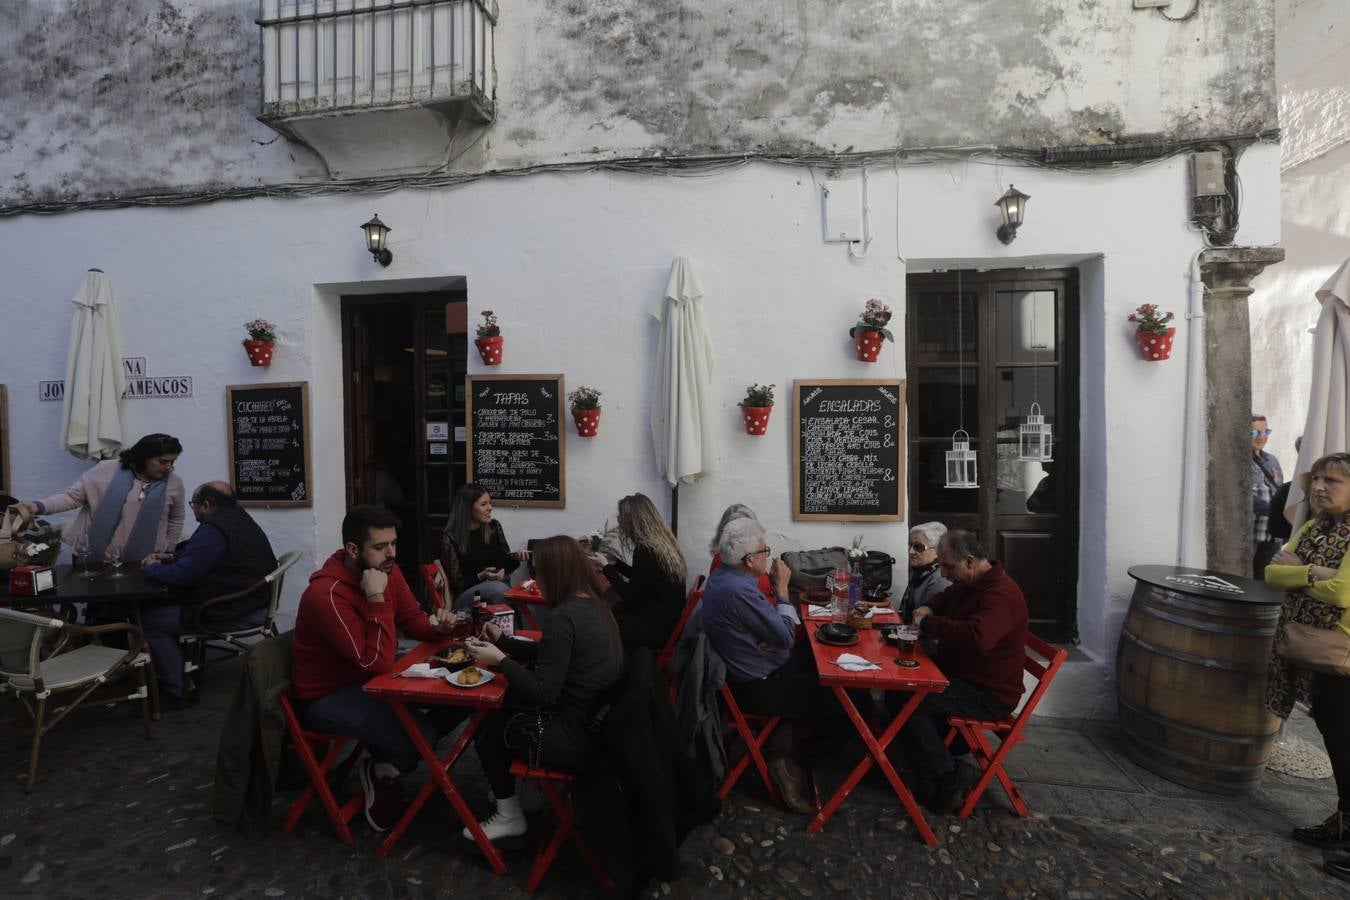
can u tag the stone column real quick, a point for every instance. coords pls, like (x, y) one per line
(1227, 273)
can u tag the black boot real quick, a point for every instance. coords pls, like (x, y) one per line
(1338, 867)
(1334, 832)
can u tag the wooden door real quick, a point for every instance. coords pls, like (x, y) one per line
(981, 348)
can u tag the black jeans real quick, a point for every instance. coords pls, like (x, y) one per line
(1331, 712)
(922, 735)
(794, 691)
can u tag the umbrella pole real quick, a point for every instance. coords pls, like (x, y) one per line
(675, 510)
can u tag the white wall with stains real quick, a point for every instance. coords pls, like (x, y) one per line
(106, 97)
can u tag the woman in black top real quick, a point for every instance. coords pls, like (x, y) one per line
(651, 590)
(474, 552)
(549, 707)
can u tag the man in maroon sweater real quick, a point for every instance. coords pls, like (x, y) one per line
(980, 624)
(345, 634)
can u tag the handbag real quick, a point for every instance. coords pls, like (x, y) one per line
(810, 568)
(1325, 650)
(13, 548)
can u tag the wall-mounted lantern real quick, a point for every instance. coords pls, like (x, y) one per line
(377, 235)
(1013, 206)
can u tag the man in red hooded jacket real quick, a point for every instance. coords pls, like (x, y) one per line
(980, 624)
(345, 634)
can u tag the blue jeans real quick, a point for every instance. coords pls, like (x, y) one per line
(491, 591)
(922, 735)
(350, 710)
(163, 625)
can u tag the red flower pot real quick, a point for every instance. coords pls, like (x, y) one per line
(1155, 347)
(490, 348)
(868, 344)
(259, 352)
(756, 418)
(588, 421)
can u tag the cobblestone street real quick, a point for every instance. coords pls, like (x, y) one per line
(116, 816)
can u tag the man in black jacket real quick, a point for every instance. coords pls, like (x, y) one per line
(227, 553)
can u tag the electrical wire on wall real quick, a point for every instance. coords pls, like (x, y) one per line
(1069, 160)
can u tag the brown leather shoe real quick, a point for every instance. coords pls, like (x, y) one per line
(793, 784)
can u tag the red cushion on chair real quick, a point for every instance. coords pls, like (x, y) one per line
(521, 769)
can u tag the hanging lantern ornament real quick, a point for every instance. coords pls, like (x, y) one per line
(1035, 438)
(961, 468)
(1013, 207)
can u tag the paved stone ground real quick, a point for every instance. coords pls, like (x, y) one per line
(117, 816)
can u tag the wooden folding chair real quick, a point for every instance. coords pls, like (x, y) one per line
(667, 654)
(1010, 730)
(305, 742)
(741, 727)
(559, 800)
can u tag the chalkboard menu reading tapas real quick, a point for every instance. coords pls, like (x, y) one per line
(848, 449)
(269, 443)
(516, 438)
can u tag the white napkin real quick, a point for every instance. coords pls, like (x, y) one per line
(425, 670)
(527, 584)
(823, 612)
(854, 663)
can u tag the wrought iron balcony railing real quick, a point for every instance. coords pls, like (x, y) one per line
(341, 56)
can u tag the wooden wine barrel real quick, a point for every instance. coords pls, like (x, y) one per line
(1191, 677)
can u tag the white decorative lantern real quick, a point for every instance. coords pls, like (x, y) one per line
(1034, 437)
(961, 468)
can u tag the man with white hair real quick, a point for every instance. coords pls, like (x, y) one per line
(755, 640)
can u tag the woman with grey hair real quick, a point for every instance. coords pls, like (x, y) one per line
(925, 575)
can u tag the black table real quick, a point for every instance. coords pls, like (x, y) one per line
(131, 590)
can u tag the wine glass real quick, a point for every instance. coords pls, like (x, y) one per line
(81, 548)
(113, 557)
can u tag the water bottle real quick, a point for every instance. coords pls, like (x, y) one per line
(855, 594)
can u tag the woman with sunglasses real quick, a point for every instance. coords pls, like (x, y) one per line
(925, 575)
(1266, 480)
(1313, 573)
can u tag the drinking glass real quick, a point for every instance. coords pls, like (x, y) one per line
(462, 626)
(838, 582)
(907, 638)
(113, 557)
(81, 548)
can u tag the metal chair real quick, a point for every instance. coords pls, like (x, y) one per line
(194, 640)
(79, 671)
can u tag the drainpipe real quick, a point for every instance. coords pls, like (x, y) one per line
(1191, 541)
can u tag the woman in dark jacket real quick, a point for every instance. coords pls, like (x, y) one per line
(925, 575)
(651, 589)
(549, 707)
(474, 552)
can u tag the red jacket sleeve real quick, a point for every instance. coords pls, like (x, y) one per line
(988, 624)
(359, 632)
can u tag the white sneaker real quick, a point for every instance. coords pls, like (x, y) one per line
(503, 823)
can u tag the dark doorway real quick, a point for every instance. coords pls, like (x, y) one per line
(404, 363)
(981, 348)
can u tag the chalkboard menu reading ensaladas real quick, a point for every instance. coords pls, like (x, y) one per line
(515, 438)
(269, 443)
(848, 449)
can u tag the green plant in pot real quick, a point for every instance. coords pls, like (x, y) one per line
(870, 331)
(585, 403)
(755, 408)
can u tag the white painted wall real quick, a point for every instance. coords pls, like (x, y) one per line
(575, 267)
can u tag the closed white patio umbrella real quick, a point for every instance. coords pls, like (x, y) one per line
(1327, 429)
(91, 417)
(682, 400)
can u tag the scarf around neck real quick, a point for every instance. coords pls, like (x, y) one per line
(141, 542)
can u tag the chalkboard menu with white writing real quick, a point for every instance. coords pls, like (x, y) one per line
(848, 443)
(515, 435)
(269, 443)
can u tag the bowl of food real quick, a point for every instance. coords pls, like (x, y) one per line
(456, 658)
(890, 633)
(833, 631)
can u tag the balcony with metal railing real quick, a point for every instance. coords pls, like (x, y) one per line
(411, 65)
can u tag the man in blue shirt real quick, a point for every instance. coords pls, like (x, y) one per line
(755, 637)
(227, 553)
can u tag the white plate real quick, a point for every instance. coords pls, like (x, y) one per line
(484, 676)
(521, 637)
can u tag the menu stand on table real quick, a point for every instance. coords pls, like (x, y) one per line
(920, 681)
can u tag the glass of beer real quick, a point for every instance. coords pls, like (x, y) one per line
(907, 639)
(461, 627)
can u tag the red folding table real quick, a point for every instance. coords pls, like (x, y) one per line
(920, 681)
(524, 596)
(402, 692)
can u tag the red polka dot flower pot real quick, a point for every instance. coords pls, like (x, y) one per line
(259, 352)
(870, 331)
(868, 344)
(756, 419)
(587, 421)
(490, 348)
(1155, 347)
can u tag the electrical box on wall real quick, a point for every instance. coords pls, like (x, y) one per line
(841, 205)
(1151, 4)
(1207, 174)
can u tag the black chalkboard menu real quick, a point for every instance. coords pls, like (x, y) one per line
(515, 435)
(848, 442)
(269, 443)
